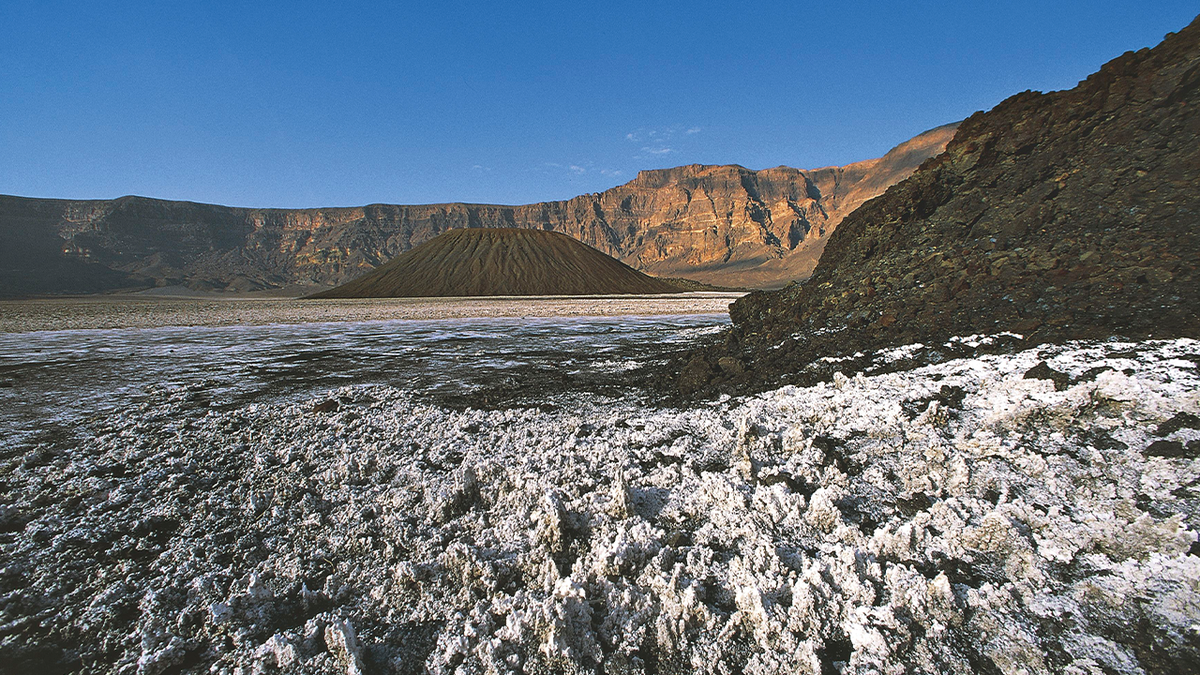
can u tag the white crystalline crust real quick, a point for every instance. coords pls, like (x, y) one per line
(954, 518)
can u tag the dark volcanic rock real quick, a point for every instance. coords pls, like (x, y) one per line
(500, 262)
(1043, 371)
(1056, 216)
(1170, 449)
(1180, 421)
(326, 406)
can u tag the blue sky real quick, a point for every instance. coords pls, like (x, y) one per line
(295, 104)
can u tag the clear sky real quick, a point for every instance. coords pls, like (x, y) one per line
(295, 104)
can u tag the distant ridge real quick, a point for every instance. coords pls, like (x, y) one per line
(500, 261)
(723, 225)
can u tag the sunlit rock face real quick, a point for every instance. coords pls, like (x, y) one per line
(1034, 512)
(723, 225)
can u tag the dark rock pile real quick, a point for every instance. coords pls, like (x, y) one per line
(500, 261)
(1056, 216)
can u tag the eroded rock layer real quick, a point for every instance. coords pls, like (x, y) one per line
(500, 261)
(1062, 215)
(723, 225)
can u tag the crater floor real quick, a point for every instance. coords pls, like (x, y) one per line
(1031, 512)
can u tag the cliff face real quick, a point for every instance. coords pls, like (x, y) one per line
(723, 225)
(1057, 216)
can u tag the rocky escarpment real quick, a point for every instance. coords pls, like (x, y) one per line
(500, 261)
(724, 225)
(1054, 216)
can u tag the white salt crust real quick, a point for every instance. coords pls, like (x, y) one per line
(863, 526)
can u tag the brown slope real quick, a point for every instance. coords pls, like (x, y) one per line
(1066, 215)
(835, 193)
(500, 261)
(725, 225)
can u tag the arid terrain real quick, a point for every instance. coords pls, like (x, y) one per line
(500, 261)
(134, 311)
(1058, 216)
(722, 225)
(969, 443)
(1030, 512)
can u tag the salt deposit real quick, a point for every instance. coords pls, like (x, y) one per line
(958, 517)
(150, 311)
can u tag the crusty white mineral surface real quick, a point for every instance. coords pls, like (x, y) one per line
(147, 311)
(959, 517)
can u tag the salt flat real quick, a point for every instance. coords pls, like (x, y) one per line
(148, 311)
(953, 518)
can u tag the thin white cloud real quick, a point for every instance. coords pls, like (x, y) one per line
(572, 169)
(660, 141)
(660, 133)
(610, 172)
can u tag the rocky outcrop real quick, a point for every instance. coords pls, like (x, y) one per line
(1054, 216)
(723, 225)
(500, 261)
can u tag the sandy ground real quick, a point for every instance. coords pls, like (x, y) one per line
(142, 311)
